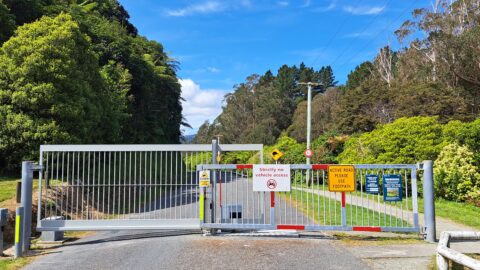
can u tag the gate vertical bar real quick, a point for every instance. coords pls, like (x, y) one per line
(429, 201)
(214, 181)
(414, 197)
(26, 202)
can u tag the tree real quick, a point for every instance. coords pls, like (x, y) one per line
(52, 91)
(384, 64)
(361, 73)
(25, 11)
(7, 21)
(430, 99)
(327, 79)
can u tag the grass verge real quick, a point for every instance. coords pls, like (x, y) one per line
(8, 188)
(11, 264)
(456, 211)
(321, 210)
(365, 240)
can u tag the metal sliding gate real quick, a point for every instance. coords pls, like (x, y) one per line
(310, 206)
(119, 187)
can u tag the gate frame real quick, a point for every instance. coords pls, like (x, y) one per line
(344, 227)
(108, 225)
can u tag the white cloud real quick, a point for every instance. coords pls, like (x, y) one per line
(213, 70)
(200, 104)
(364, 10)
(358, 34)
(205, 7)
(330, 6)
(307, 3)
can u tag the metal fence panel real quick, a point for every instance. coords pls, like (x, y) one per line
(105, 187)
(312, 207)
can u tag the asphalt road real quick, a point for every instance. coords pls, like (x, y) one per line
(191, 250)
(176, 250)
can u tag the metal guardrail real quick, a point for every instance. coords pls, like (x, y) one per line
(445, 253)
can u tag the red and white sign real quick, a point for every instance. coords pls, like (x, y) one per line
(271, 177)
(308, 153)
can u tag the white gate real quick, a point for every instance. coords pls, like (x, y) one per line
(121, 187)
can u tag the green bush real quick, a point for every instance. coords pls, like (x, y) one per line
(291, 149)
(456, 176)
(406, 140)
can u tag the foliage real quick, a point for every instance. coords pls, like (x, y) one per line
(322, 115)
(50, 89)
(406, 140)
(456, 176)
(77, 72)
(191, 161)
(327, 147)
(292, 150)
(7, 23)
(361, 73)
(262, 107)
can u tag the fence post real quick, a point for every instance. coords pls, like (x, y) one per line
(3, 223)
(26, 202)
(214, 183)
(19, 224)
(429, 201)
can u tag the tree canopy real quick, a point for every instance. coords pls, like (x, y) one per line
(78, 72)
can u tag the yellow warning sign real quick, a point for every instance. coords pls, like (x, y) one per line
(341, 178)
(276, 154)
(204, 180)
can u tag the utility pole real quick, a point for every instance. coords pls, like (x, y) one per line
(309, 121)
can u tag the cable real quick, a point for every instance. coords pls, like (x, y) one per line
(363, 31)
(381, 31)
(335, 34)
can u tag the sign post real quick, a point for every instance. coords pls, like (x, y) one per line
(271, 178)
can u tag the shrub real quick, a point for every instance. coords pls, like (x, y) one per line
(406, 140)
(456, 176)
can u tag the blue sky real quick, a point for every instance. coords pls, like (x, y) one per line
(219, 43)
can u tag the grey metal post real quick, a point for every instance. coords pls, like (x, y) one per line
(26, 201)
(429, 201)
(1, 238)
(3, 223)
(214, 181)
(309, 119)
(19, 223)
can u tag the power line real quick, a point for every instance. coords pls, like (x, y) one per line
(408, 8)
(335, 34)
(363, 31)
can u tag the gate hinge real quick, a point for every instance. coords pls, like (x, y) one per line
(419, 165)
